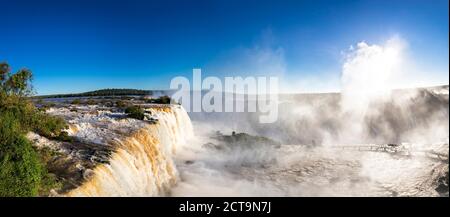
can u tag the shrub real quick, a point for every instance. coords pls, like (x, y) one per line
(21, 171)
(75, 102)
(45, 106)
(90, 102)
(48, 126)
(121, 104)
(49, 180)
(135, 112)
(164, 100)
(64, 137)
(160, 100)
(107, 103)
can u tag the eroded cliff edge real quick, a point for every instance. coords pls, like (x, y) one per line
(114, 155)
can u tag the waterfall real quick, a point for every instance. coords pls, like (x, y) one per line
(142, 164)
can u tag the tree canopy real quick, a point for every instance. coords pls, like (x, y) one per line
(21, 171)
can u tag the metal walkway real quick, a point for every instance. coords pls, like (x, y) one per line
(397, 149)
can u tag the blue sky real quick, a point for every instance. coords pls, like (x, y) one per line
(81, 45)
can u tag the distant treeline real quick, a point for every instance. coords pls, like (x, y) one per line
(103, 92)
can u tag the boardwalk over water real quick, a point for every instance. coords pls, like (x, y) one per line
(396, 149)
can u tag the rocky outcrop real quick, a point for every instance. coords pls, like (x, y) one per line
(117, 156)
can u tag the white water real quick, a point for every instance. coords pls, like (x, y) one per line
(151, 160)
(299, 171)
(143, 163)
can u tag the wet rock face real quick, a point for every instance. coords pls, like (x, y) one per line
(93, 130)
(242, 140)
(443, 188)
(70, 162)
(141, 162)
(97, 133)
(250, 150)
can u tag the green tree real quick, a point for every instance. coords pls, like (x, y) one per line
(135, 112)
(21, 170)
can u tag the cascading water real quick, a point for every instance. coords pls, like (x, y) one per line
(142, 163)
(143, 160)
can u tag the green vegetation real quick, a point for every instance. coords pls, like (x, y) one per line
(244, 140)
(75, 102)
(160, 100)
(90, 102)
(121, 104)
(22, 171)
(43, 106)
(135, 112)
(85, 102)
